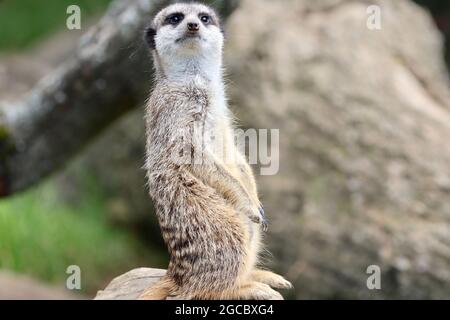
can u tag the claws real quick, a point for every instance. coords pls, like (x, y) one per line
(264, 222)
(264, 226)
(262, 213)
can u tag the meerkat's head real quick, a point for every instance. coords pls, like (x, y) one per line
(185, 32)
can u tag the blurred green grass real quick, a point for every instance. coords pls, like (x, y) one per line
(23, 22)
(41, 235)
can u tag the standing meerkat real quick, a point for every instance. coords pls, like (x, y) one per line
(203, 189)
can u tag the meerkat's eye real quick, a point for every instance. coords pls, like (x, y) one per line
(206, 19)
(175, 18)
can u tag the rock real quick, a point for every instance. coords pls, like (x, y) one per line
(364, 119)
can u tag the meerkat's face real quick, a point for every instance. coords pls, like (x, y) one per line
(185, 29)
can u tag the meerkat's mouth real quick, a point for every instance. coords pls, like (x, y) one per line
(188, 36)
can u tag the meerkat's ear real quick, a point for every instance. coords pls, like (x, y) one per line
(149, 37)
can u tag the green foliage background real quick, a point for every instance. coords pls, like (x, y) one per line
(23, 22)
(41, 235)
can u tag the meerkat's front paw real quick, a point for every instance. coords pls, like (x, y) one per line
(254, 216)
(257, 216)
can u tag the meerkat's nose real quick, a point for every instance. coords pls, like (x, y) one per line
(193, 26)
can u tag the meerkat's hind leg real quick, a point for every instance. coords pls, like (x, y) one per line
(270, 278)
(257, 291)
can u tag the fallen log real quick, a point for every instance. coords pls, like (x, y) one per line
(130, 285)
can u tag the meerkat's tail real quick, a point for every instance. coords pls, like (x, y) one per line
(160, 291)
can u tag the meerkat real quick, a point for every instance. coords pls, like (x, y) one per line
(208, 211)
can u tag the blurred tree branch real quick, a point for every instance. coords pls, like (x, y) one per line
(108, 75)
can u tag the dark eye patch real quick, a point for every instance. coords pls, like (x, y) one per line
(174, 19)
(206, 19)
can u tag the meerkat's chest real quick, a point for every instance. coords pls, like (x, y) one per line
(210, 115)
